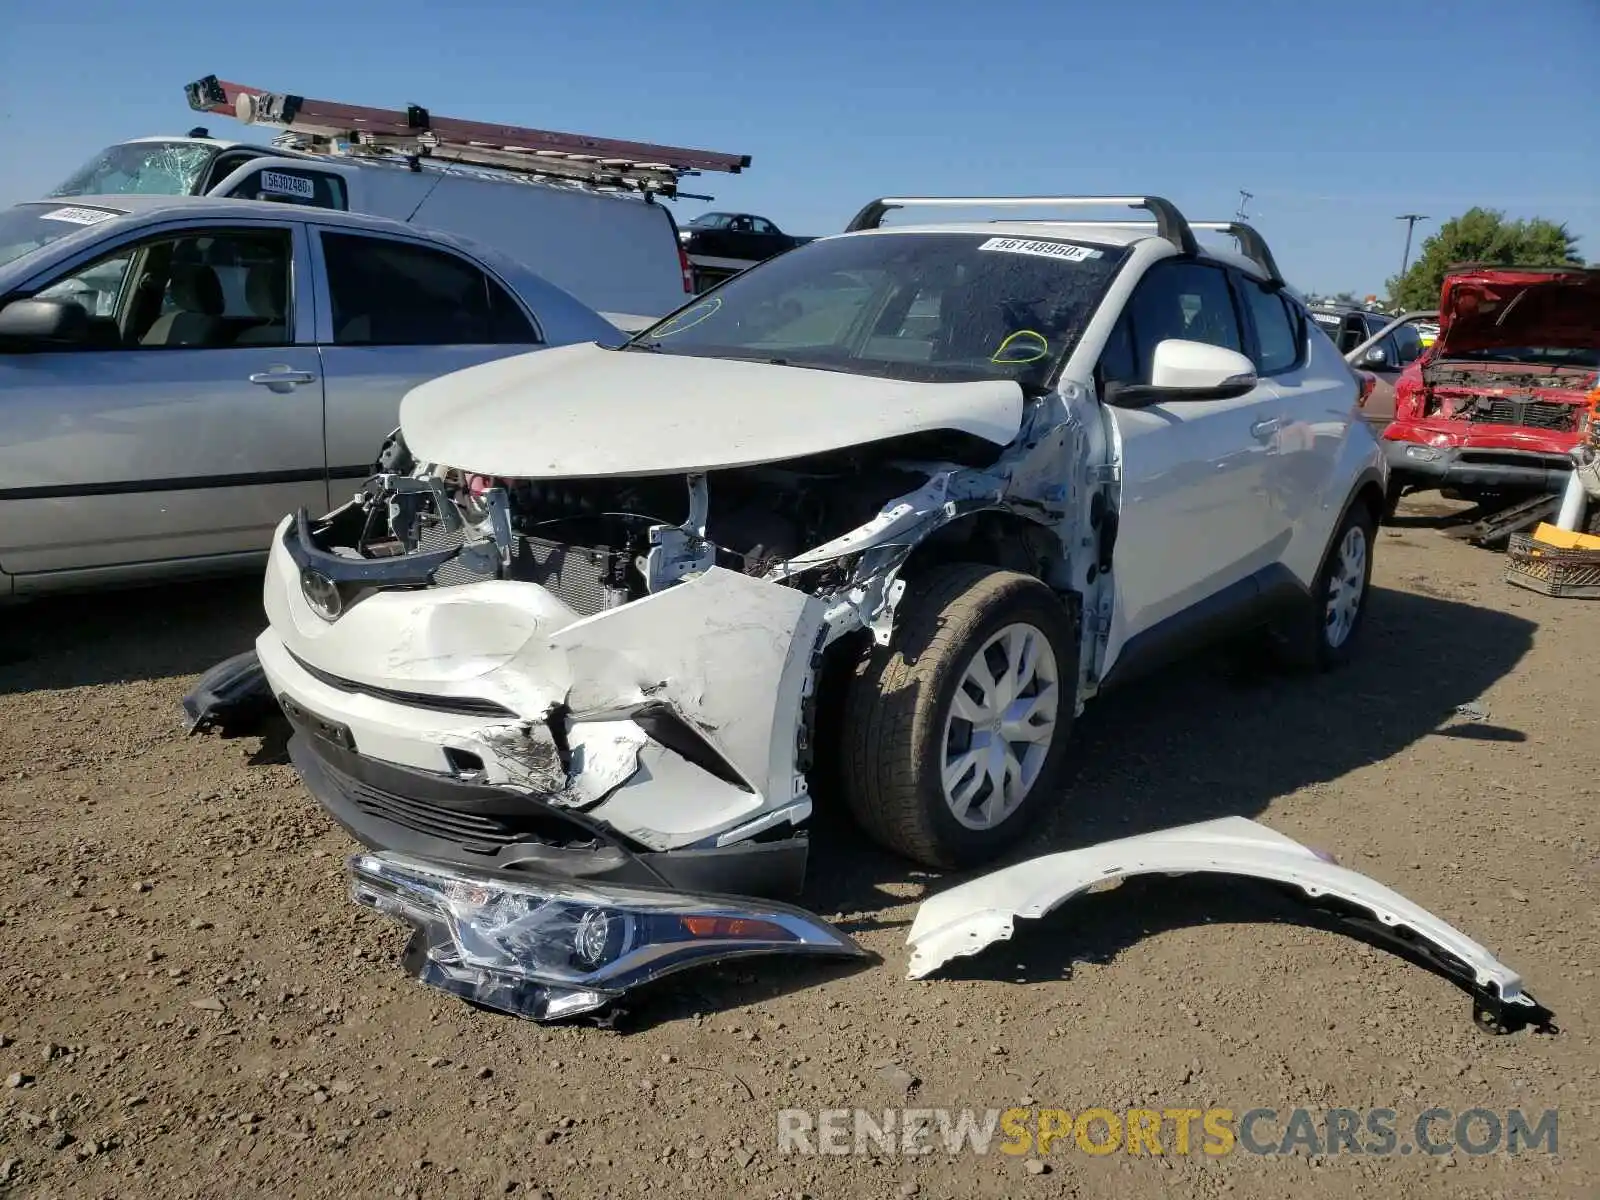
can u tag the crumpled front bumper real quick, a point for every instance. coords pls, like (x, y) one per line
(476, 827)
(673, 723)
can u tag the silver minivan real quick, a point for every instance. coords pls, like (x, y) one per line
(177, 373)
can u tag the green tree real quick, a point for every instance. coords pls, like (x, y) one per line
(1481, 235)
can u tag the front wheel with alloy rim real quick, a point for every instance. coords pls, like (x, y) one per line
(955, 734)
(1321, 633)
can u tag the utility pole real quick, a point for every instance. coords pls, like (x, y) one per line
(1411, 220)
(1244, 199)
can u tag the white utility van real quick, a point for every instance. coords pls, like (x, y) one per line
(596, 228)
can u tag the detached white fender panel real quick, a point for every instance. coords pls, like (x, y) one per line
(976, 914)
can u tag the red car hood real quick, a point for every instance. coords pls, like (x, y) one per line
(1556, 308)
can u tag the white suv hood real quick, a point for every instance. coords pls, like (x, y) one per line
(583, 410)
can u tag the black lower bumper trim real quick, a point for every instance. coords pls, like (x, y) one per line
(389, 807)
(1499, 469)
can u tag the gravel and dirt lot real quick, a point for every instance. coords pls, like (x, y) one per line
(190, 1006)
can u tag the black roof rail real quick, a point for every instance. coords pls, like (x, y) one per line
(1251, 244)
(1170, 223)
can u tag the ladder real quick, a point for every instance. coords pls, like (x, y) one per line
(324, 126)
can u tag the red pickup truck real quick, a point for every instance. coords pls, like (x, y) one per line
(1493, 408)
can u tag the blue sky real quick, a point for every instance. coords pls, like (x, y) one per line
(1334, 126)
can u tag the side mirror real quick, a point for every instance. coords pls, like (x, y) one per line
(44, 321)
(1183, 371)
(1377, 357)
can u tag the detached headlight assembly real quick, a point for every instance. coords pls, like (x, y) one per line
(548, 948)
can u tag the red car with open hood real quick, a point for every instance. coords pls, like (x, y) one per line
(1497, 403)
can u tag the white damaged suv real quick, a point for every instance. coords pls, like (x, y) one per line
(896, 504)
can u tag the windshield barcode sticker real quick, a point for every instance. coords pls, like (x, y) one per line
(1062, 250)
(78, 216)
(288, 185)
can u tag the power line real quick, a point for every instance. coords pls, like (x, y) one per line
(1244, 199)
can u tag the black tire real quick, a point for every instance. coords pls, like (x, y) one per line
(895, 719)
(1303, 640)
(1391, 500)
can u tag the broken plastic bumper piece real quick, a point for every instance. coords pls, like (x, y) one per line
(233, 696)
(550, 948)
(983, 911)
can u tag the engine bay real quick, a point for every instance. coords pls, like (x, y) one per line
(600, 542)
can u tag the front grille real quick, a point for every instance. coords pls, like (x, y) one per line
(1491, 458)
(476, 832)
(1535, 414)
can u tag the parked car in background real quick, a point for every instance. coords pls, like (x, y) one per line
(720, 244)
(735, 235)
(1348, 326)
(176, 373)
(614, 252)
(1495, 406)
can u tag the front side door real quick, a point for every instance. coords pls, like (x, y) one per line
(187, 422)
(393, 314)
(1194, 525)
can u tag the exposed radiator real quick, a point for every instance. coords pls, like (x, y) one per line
(1535, 414)
(587, 580)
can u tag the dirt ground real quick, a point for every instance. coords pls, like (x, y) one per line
(192, 1007)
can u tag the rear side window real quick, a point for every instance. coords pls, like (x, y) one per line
(1277, 341)
(290, 185)
(388, 293)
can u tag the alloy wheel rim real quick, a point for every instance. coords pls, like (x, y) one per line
(1347, 583)
(1000, 727)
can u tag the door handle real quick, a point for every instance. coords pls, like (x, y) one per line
(1264, 429)
(281, 379)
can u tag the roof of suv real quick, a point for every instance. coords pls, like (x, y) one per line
(1104, 233)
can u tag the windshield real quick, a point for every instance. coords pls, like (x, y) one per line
(26, 227)
(709, 221)
(141, 168)
(923, 307)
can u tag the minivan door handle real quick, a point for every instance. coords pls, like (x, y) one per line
(282, 379)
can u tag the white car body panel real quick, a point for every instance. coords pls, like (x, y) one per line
(730, 654)
(976, 914)
(1206, 492)
(584, 411)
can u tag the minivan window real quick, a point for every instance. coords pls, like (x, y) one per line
(287, 184)
(141, 168)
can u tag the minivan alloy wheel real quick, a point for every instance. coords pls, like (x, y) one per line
(1000, 726)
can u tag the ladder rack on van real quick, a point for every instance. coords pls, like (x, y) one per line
(325, 126)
